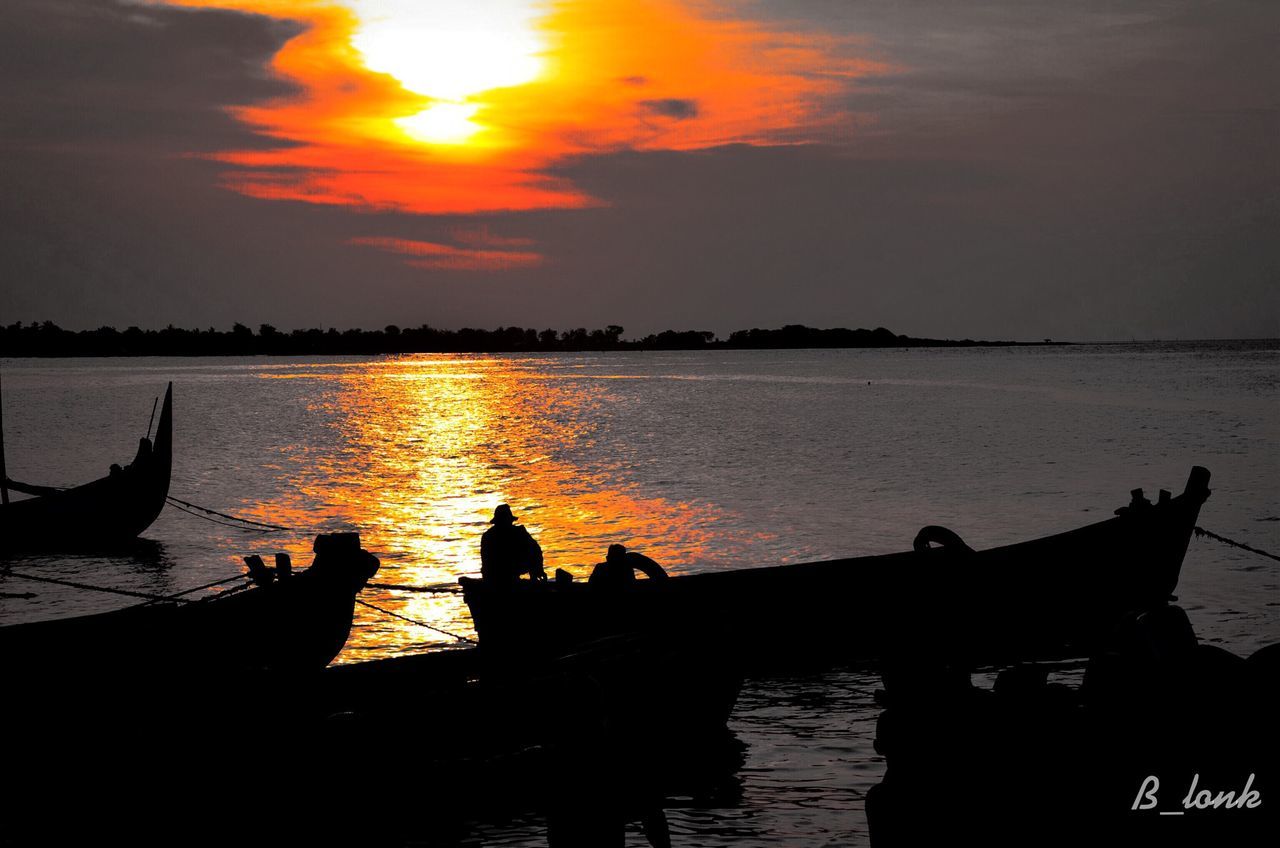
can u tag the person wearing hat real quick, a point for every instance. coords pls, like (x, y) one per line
(620, 566)
(508, 551)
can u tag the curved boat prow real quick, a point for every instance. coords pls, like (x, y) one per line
(1198, 483)
(1193, 496)
(162, 449)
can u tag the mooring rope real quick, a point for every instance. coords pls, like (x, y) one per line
(216, 521)
(1200, 531)
(91, 588)
(213, 586)
(437, 589)
(257, 526)
(216, 583)
(415, 621)
(148, 597)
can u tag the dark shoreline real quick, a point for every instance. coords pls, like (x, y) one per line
(47, 340)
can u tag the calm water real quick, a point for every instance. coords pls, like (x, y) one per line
(701, 460)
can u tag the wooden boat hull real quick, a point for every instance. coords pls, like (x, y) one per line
(446, 738)
(636, 686)
(1053, 596)
(616, 728)
(106, 512)
(294, 624)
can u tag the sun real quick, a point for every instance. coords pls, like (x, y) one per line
(450, 52)
(442, 123)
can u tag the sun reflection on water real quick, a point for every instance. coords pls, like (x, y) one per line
(421, 450)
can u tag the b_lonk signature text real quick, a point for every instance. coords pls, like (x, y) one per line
(1197, 798)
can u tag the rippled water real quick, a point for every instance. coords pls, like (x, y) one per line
(702, 460)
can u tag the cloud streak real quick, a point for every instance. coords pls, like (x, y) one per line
(444, 257)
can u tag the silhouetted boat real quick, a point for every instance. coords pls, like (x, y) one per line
(108, 511)
(1054, 596)
(169, 705)
(638, 686)
(285, 623)
(621, 724)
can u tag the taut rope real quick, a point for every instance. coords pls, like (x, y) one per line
(1200, 531)
(257, 526)
(415, 621)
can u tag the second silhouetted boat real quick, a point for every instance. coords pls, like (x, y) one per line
(1052, 596)
(100, 514)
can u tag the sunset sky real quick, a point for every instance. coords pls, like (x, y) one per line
(990, 169)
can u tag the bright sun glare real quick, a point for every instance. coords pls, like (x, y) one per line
(450, 51)
(442, 123)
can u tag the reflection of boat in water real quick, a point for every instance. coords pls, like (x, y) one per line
(287, 622)
(593, 739)
(438, 742)
(108, 511)
(628, 684)
(157, 712)
(1051, 596)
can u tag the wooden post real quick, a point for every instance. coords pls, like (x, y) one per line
(4, 474)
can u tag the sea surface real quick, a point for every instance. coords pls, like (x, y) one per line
(703, 461)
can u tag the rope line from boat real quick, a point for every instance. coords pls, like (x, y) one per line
(384, 611)
(212, 585)
(437, 589)
(215, 584)
(1200, 531)
(216, 521)
(146, 596)
(255, 526)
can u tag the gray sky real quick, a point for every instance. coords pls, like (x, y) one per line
(1006, 170)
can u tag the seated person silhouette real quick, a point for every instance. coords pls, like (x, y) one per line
(508, 551)
(620, 566)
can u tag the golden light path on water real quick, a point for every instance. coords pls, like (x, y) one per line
(428, 445)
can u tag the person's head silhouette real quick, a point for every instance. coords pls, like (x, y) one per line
(502, 515)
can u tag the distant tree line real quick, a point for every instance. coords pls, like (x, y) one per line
(48, 339)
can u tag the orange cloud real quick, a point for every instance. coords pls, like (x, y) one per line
(436, 256)
(605, 76)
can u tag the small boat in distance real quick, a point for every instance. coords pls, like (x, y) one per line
(106, 512)
(1056, 596)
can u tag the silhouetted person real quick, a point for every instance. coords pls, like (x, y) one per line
(620, 566)
(508, 551)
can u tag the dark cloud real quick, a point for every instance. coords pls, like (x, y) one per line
(90, 74)
(957, 65)
(674, 108)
